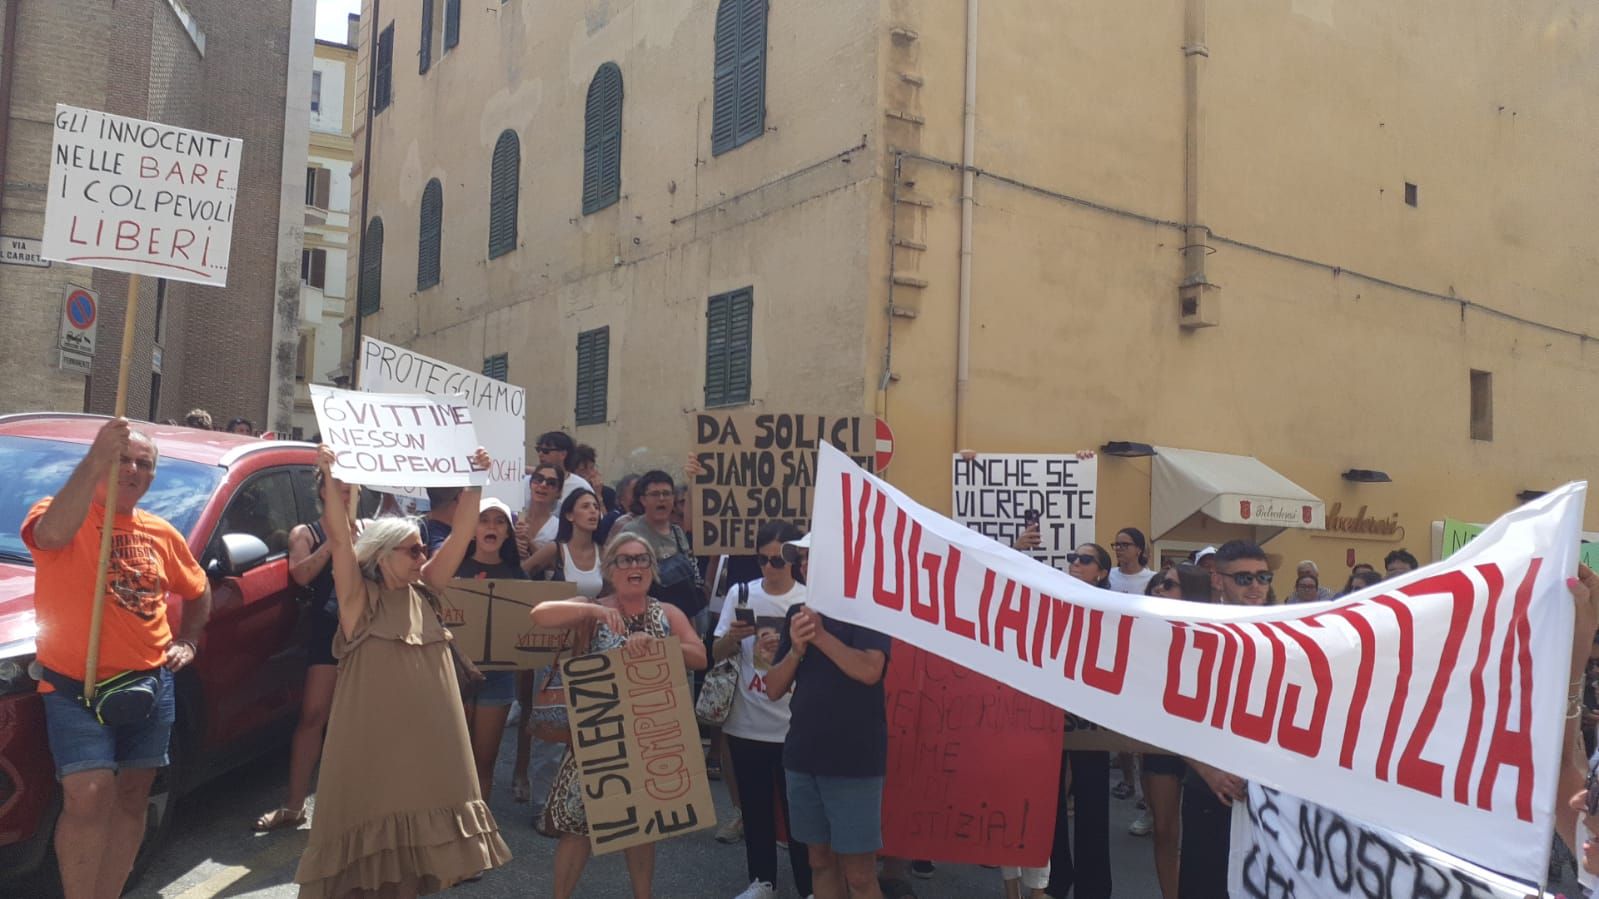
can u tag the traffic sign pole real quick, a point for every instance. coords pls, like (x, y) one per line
(130, 320)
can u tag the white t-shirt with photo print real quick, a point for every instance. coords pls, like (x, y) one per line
(754, 716)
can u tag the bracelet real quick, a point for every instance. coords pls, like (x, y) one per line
(194, 650)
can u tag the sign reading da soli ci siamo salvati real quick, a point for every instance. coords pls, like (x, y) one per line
(140, 197)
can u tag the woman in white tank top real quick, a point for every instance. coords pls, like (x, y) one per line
(574, 556)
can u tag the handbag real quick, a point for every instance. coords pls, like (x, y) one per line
(721, 682)
(547, 718)
(679, 582)
(119, 700)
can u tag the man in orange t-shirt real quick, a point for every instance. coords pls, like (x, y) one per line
(105, 770)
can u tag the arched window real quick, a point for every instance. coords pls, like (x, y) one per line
(504, 172)
(602, 140)
(427, 247)
(369, 290)
(738, 111)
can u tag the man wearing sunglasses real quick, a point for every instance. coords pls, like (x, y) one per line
(1241, 577)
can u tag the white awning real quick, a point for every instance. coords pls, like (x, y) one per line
(1232, 489)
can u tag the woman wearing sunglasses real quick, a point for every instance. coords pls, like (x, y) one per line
(539, 523)
(1080, 861)
(749, 628)
(624, 615)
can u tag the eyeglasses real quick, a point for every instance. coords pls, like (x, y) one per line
(777, 561)
(659, 494)
(1245, 578)
(1082, 558)
(1120, 545)
(640, 560)
(1167, 584)
(545, 448)
(415, 550)
(540, 480)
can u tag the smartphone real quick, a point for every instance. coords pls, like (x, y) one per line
(744, 615)
(1031, 518)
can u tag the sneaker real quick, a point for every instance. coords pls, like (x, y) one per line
(758, 889)
(1123, 790)
(1142, 826)
(923, 868)
(733, 831)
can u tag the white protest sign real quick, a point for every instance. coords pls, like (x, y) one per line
(995, 493)
(408, 440)
(499, 410)
(1283, 846)
(1432, 702)
(140, 197)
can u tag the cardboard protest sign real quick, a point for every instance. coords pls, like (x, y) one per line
(759, 467)
(499, 410)
(997, 493)
(413, 441)
(489, 619)
(637, 746)
(1432, 702)
(973, 766)
(140, 197)
(1284, 846)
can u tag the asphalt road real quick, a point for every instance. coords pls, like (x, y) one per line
(213, 853)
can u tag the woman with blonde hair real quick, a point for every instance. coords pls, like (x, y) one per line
(398, 809)
(624, 615)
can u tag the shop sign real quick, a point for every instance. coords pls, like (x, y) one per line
(1363, 525)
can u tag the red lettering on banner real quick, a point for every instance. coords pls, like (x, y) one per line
(1506, 747)
(1479, 698)
(985, 600)
(1245, 723)
(854, 535)
(913, 578)
(927, 611)
(1013, 617)
(889, 599)
(1041, 627)
(1111, 679)
(1305, 740)
(1414, 771)
(1362, 688)
(1224, 677)
(1191, 708)
(1060, 618)
(1406, 624)
(1074, 640)
(953, 622)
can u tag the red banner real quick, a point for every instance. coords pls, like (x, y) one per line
(973, 766)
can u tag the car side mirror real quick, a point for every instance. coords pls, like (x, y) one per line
(240, 553)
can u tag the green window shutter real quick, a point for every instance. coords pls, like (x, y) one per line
(424, 55)
(452, 24)
(384, 77)
(432, 233)
(593, 375)
(504, 194)
(724, 103)
(729, 327)
(752, 71)
(602, 140)
(497, 367)
(369, 290)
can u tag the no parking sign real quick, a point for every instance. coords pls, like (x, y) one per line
(80, 319)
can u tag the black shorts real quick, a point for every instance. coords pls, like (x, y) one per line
(1169, 765)
(319, 645)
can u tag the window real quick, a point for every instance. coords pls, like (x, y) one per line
(1411, 198)
(432, 232)
(504, 171)
(593, 375)
(160, 310)
(369, 290)
(602, 140)
(424, 55)
(302, 358)
(452, 24)
(728, 320)
(383, 78)
(155, 396)
(738, 112)
(310, 185)
(497, 366)
(318, 184)
(1482, 405)
(316, 91)
(264, 508)
(314, 268)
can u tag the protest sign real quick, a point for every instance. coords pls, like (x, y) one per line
(140, 197)
(1283, 847)
(1431, 702)
(637, 745)
(499, 410)
(489, 619)
(1458, 533)
(996, 494)
(973, 766)
(759, 467)
(409, 440)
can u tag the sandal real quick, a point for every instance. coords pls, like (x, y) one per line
(280, 819)
(521, 790)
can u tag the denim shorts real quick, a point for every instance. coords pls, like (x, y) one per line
(80, 743)
(497, 689)
(844, 814)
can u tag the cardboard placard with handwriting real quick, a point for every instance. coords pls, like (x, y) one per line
(637, 745)
(489, 619)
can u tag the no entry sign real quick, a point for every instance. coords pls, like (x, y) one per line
(885, 445)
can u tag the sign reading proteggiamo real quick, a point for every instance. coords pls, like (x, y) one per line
(1432, 703)
(140, 197)
(405, 440)
(499, 410)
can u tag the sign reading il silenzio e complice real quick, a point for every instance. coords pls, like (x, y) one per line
(140, 197)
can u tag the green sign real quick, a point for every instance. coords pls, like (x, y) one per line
(1459, 533)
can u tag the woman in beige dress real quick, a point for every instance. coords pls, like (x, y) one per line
(623, 614)
(398, 812)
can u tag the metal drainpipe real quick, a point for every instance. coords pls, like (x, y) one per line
(963, 345)
(366, 187)
(893, 251)
(1196, 234)
(8, 64)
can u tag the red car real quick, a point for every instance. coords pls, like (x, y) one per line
(236, 498)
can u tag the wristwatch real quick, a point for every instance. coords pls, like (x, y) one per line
(194, 649)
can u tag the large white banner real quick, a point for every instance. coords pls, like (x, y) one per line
(1283, 846)
(405, 440)
(140, 197)
(999, 494)
(499, 410)
(1431, 704)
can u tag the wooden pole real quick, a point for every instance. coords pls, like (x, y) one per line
(130, 322)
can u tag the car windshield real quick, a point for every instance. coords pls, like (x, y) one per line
(31, 469)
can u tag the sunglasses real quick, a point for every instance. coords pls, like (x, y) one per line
(1120, 545)
(1245, 578)
(415, 550)
(1167, 584)
(540, 480)
(542, 448)
(777, 561)
(1082, 558)
(632, 561)
(795, 555)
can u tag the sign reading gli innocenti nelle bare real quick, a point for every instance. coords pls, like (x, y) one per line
(140, 197)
